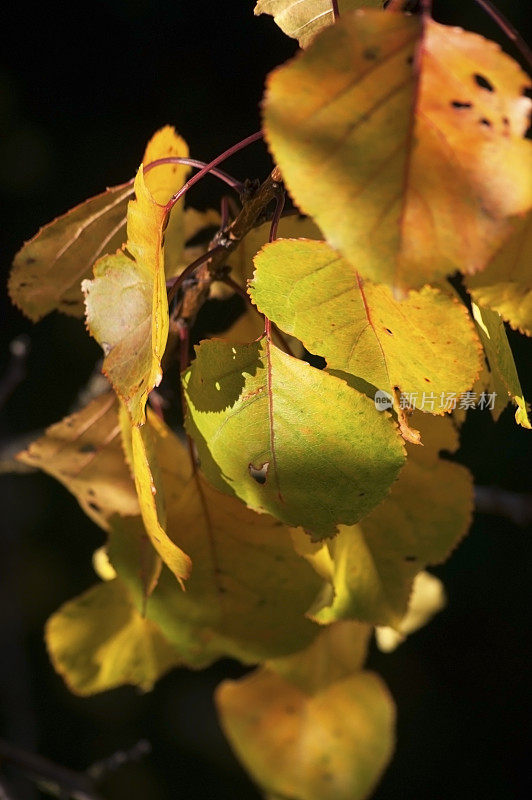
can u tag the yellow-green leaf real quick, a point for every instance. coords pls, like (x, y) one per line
(405, 159)
(328, 744)
(505, 380)
(263, 426)
(248, 591)
(505, 285)
(127, 310)
(84, 452)
(425, 345)
(303, 19)
(48, 271)
(99, 641)
(427, 512)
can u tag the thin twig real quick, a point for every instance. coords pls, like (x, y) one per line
(336, 12)
(191, 268)
(507, 28)
(193, 162)
(255, 137)
(52, 778)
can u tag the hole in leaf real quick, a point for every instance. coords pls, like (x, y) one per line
(389, 331)
(95, 507)
(260, 474)
(483, 82)
(485, 122)
(427, 380)
(461, 104)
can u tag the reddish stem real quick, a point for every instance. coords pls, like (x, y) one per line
(214, 163)
(193, 162)
(336, 13)
(276, 217)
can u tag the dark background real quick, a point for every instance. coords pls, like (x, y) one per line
(82, 88)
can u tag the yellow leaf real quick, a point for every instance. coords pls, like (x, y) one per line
(329, 744)
(84, 452)
(504, 378)
(127, 310)
(427, 599)
(141, 444)
(99, 641)
(407, 148)
(505, 285)
(303, 19)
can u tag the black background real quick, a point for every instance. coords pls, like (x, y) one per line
(82, 88)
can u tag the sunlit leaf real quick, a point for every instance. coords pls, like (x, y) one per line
(331, 742)
(291, 227)
(48, 271)
(263, 426)
(143, 446)
(425, 515)
(505, 285)
(427, 599)
(425, 345)
(84, 452)
(303, 19)
(505, 379)
(99, 641)
(127, 310)
(409, 179)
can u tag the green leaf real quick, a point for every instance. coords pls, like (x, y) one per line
(133, 330)
(327, 741)
(425, 345)
(505, 285)
(48, 271)
(505, 379)
(303, 19)
(84, 452)
(263, 426)
(373, 564)
(99, 641)
(409, 166)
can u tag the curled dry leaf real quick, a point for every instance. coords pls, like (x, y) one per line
(407, 148)
(126, 305)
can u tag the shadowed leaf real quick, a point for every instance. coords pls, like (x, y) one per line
(407, 162)
(99, 641)
(426, 600)
(273, 441)
(505, 285)
(425, 345)
(84, 452)
(504, 378)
